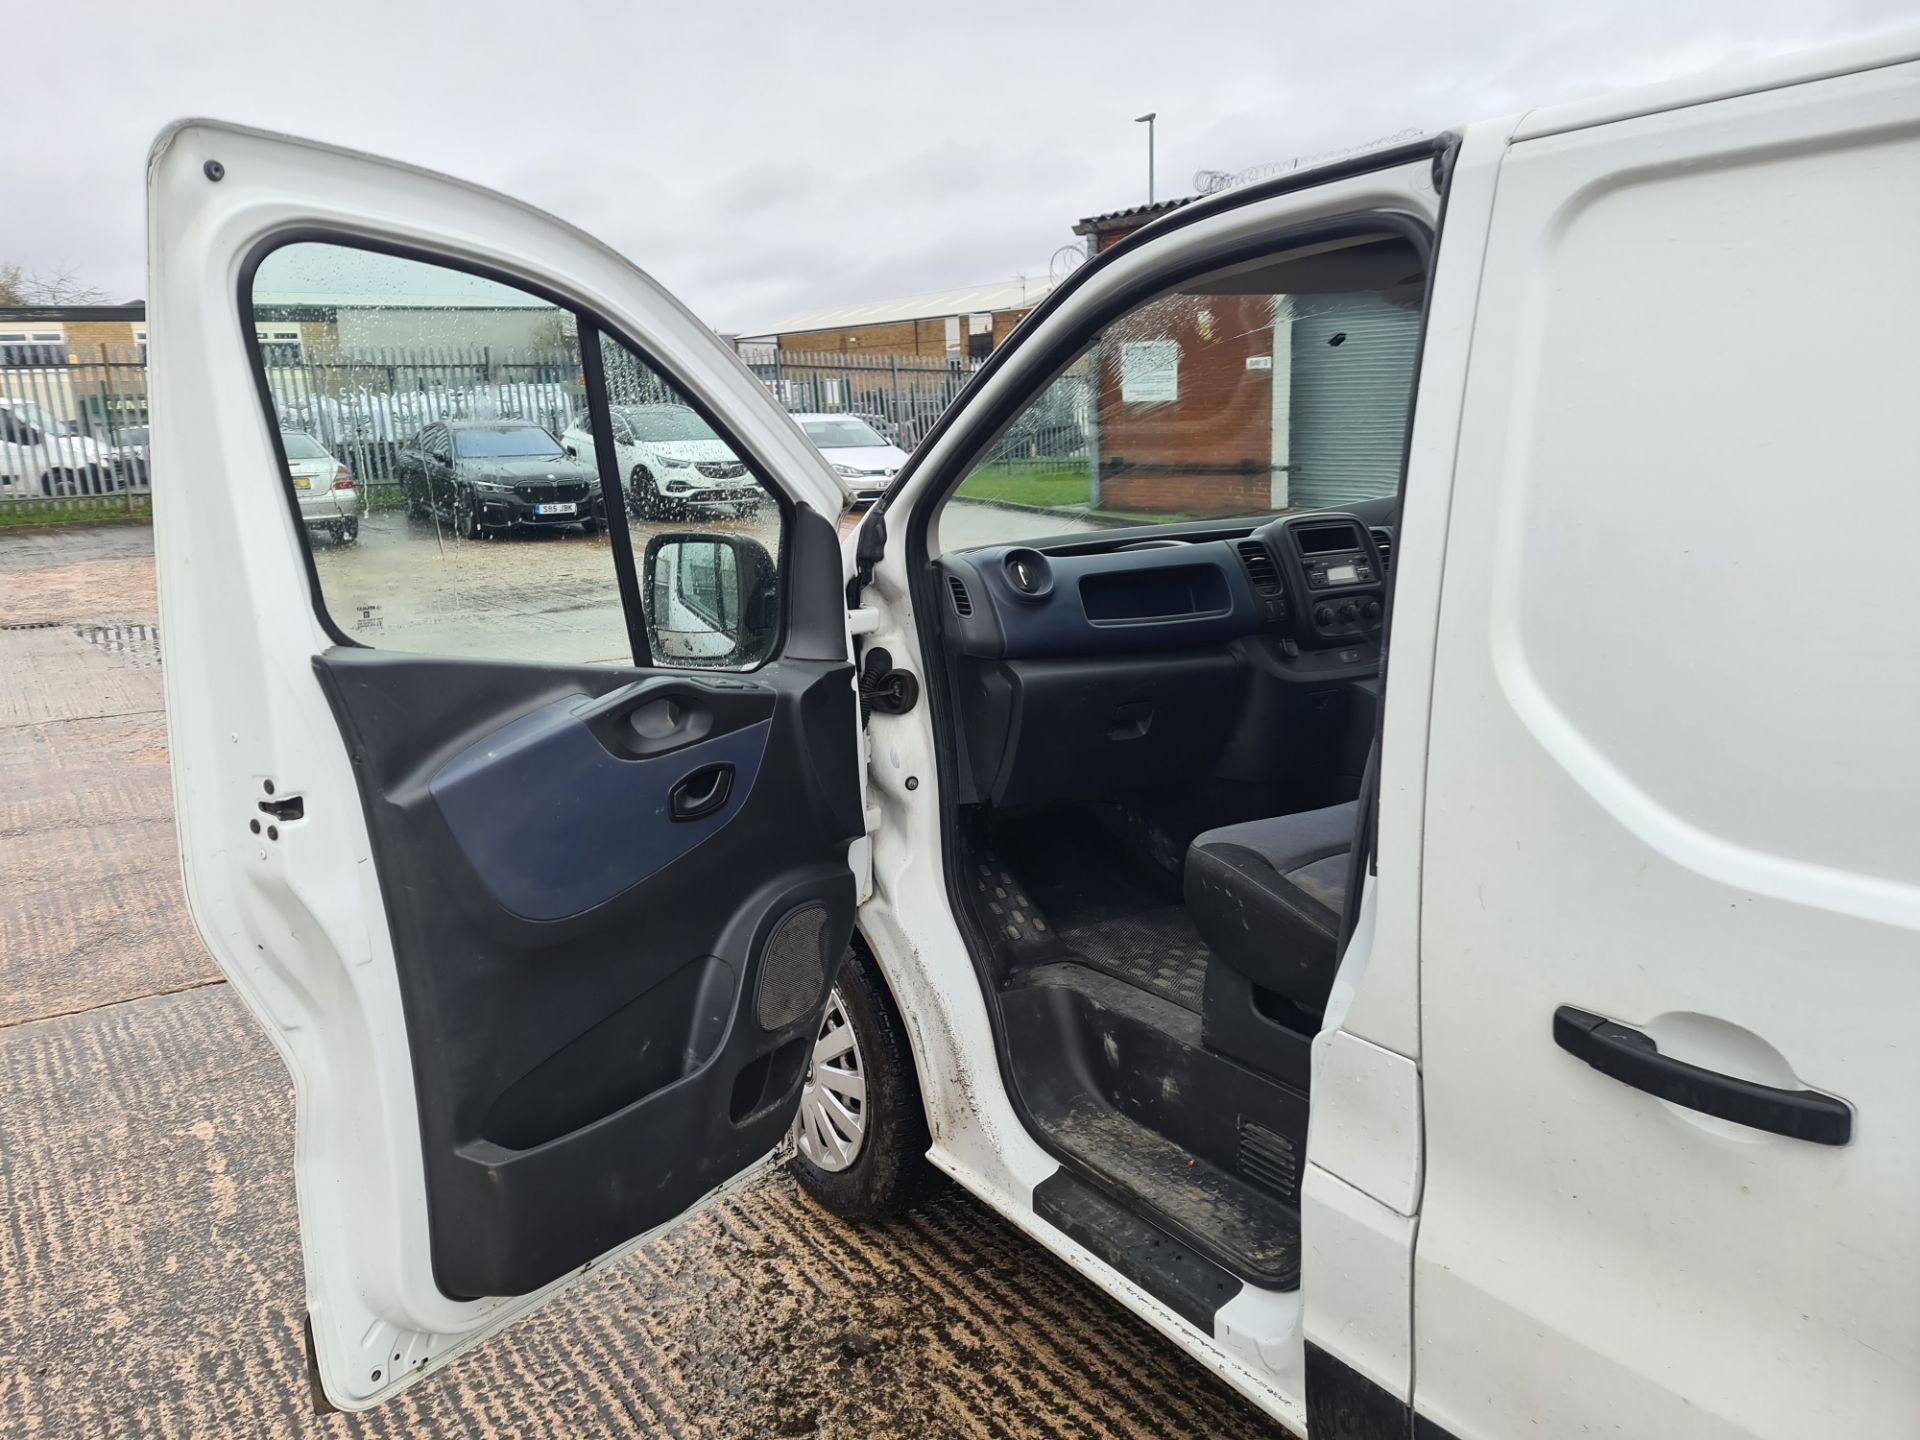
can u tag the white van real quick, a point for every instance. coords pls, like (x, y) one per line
(1395, 852)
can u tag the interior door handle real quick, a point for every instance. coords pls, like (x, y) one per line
(1633, 1057)
(700, 792)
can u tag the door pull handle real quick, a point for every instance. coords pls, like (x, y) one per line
(1633, 1058)
(700, 793)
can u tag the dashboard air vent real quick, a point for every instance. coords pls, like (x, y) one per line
(1383, 542)
(1260, 566)
(962, 602)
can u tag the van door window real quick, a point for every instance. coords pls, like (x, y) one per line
(420, 422)
(1205, 403)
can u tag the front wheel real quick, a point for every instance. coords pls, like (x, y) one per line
(861, 1134)
(643, 498)
(466, 523)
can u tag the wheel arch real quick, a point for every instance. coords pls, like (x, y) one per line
(915, 1048)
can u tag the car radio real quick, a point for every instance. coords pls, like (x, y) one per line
(1340, 573)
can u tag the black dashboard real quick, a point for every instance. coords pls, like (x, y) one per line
(1091, 663)
(1316, 579)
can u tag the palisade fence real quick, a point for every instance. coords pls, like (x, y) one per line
(365, 406)
(899, 395)
(73, 437)
(902, 396)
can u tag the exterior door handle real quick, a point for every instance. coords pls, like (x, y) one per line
(1633, 1057)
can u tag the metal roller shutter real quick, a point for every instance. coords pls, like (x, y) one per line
(1349, 400)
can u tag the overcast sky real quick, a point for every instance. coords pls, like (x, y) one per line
(762, 158)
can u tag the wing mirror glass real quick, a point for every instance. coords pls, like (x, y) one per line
(710, 599)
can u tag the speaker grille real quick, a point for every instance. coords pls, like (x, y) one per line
(793, 968)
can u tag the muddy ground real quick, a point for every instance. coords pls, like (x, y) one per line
(150, 1274)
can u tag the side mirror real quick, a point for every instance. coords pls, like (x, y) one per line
(711, 599)
(574, 451)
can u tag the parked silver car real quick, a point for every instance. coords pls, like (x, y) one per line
(329, 502)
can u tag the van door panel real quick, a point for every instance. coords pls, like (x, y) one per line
(1672, 784)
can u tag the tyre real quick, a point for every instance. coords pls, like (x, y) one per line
(350, 532)
(466, 522)
(589, 527)
(415, 510)
(861, 1135)
(59, 482)
(643, 499)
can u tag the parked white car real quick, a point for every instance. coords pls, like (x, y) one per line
(671, 462)
(323, 487)
(42, 455)
(865, 461)
(1510, 1036)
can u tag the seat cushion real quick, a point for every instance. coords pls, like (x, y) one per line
(1267, 896)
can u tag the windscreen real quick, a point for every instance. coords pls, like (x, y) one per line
(302, 447)
(840, 433)
(667, 423)
(505, 443)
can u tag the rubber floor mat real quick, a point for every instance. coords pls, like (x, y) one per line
(1157, 950)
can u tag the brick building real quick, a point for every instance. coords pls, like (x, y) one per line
(1104, 231)
(963, 324)
(1230, 402)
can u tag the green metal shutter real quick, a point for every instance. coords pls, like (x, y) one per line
(1349, 400)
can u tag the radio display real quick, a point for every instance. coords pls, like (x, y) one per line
(1341, 575)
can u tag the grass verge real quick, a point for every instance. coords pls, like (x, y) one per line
(15, 514)
(1049, 487)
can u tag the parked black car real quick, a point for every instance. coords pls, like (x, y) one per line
(497, 476)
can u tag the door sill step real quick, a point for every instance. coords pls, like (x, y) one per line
(1239, 1226)
(1175, 1274)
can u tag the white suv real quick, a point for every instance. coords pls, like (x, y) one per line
(40, 456)
(671, 462)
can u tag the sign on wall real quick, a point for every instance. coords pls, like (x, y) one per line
(1149, 371)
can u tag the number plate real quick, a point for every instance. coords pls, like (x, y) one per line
(564, 508)
(300, 482)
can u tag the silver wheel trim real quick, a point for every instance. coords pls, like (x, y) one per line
(832, 1124)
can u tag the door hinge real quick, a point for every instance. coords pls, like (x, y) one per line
(883, 688)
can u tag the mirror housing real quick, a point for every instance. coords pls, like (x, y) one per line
(711, 599)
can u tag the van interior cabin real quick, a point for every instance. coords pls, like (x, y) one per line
(1163, 736)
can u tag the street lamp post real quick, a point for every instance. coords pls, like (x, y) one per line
(1147, 120)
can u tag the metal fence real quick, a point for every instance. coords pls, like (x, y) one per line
(901, 396)
(365, 406)
(73, 435)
